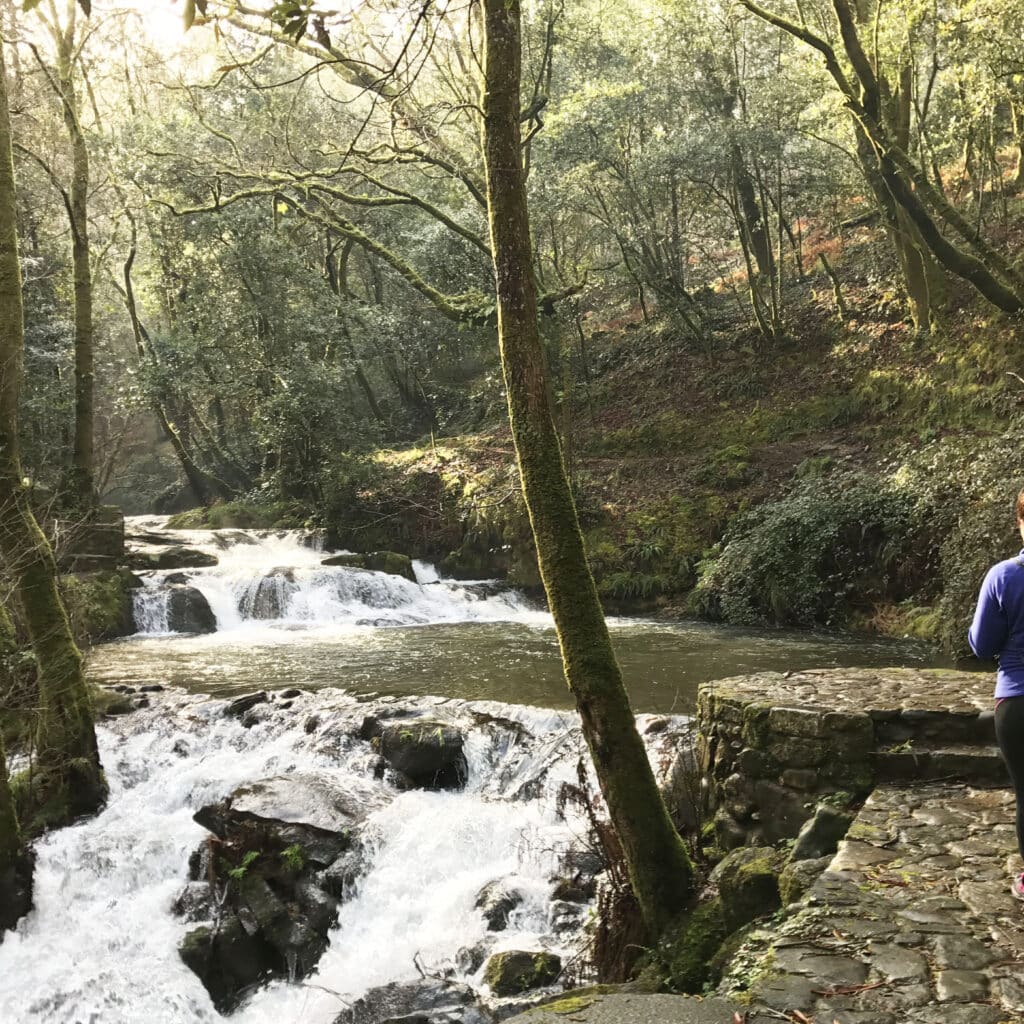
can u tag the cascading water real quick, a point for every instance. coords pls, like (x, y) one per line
(277, 578)
(101, 945)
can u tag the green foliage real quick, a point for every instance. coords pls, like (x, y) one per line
(293, 858)
(814, 554)
(239, 872)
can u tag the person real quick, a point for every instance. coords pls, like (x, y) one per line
(998, 632)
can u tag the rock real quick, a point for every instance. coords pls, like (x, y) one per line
(174, 557)
(240, 705)
(188, 611)
(428, 753)
(798, 876)
(340, 877)
(274, 838)
(496, 902)
(293, 810)
(820, 835)
(420, 1002)
(195, 902)
(268, 598)
(290, 694)
(469, 959)
(569, 890)
(228, 961)
(16, 891)
(748, 884)
(516, 971)
(390, 562)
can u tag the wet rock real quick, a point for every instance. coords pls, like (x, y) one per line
(271, 842)
(241, 705)
(495, 901)
(228, 961)
(188, 611)
(290, 694)
(268, 598)
(291, 809)
(469, 959)
(428, 753)
(390, 562)
(15, 891)
(340, 877)
(516, 971)
(151, 688)
(820, 835)
(421, 1002)
(569, 890)
(174, 557)
(195, 902)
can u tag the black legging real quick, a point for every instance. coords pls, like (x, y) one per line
(1010, 737)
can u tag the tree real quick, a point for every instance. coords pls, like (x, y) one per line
(66, 779)
(659, 868)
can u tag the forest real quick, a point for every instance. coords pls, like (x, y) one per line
(524, 354)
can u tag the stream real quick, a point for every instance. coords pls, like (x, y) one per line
(101, 945)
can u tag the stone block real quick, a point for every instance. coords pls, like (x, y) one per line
(796, 751)
(804, 779)
(755, 764)
(781, 811)
(797, 722)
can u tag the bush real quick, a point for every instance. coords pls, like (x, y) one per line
(815, 555)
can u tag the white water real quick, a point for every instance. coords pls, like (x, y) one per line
(276, 579)
(100, 947)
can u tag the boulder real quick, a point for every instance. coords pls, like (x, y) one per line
(820, 835)
(516, 971)
(748, 884)
(390, 562)
(189, 612)
(227, 960)
(273, 840)
(427, 1001)
(175, 557)
(15, 891)
(429, 754)
(290, 810)
(495, 901)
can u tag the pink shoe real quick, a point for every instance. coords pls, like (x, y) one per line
(1017, 887)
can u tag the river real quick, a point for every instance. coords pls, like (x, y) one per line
(101, 945)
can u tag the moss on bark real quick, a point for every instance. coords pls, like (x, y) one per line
(659, 868)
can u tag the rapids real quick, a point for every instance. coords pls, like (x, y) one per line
(101, 945)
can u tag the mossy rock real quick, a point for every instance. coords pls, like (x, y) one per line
(390, 562)
(517, 971)
(748, 884)
(687, 951)
(99, 604)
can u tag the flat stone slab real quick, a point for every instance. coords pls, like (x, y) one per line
(623, 1008)
(856, 690)
(911, 923)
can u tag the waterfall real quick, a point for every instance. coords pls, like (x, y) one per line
(101, 944)
(277, 579)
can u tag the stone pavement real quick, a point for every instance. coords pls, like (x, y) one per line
(911, 923)
(622, 1008)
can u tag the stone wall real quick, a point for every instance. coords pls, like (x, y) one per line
(773, 745)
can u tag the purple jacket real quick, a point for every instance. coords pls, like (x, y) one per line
(998, 627)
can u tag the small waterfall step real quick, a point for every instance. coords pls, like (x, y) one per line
(284, 579)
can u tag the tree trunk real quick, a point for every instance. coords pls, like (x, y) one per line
(67, 776)
(15, 859)
(83, 460)
(659, 868)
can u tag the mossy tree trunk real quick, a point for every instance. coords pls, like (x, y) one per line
(659, 868)
(82, 475)
(67, 768)
(11, 847)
